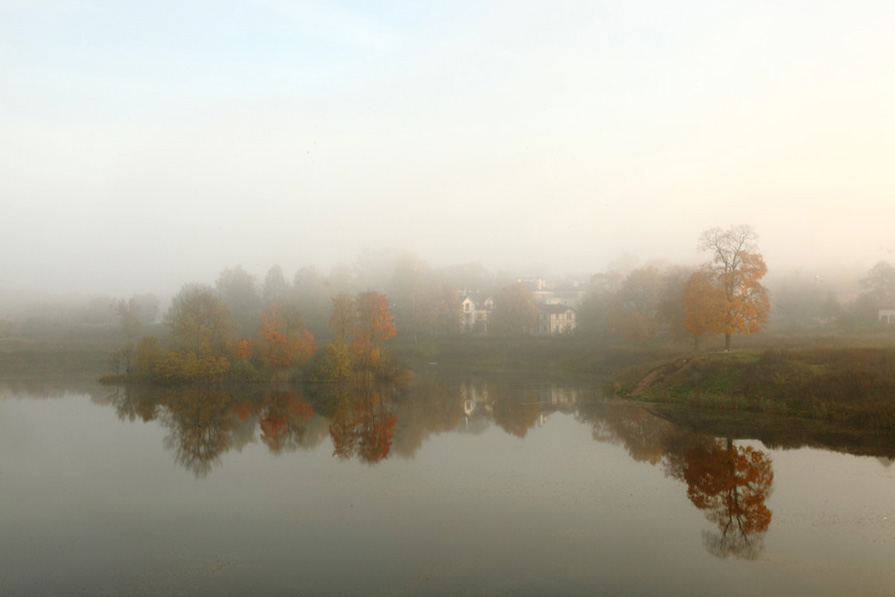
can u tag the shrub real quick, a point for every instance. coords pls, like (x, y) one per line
(330, 364)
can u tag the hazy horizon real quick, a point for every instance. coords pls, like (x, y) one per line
(149, 145)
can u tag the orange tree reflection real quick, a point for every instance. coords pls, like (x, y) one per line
(362, 425)
(731, 483)
(283, 421)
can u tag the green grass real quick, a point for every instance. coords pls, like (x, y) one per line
(850, 385)
(64, 356)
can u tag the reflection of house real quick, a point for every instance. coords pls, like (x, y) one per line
(474, 312)
(473, 397)
(555, 319)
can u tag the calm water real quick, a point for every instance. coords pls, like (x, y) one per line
(449, 486)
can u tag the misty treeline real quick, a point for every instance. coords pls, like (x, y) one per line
(324, 327)
(244, 326)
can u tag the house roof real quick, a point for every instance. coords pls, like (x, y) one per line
(478, 298)
(554, 308)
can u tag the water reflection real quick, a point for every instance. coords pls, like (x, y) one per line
(199, 421)
(728, 480)
(729, 483)
(366, 423)
(362, 425)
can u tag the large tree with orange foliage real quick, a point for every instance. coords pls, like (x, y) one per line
(726, 296)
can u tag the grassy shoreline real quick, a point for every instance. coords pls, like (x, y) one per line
(852, 382)
(854, 385)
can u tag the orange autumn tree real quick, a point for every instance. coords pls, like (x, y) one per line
(242, 350)
(374, 326)
(727, 296)
(731, 484)
(283, 337)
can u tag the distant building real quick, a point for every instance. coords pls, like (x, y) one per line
(887, 310)
(554, 320)
(474, 311)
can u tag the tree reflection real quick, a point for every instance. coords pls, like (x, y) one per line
(131, 404)
(515, 410)
(284, 421)
(200, 422)
(731, 484)
(362, 425)
(643, 435)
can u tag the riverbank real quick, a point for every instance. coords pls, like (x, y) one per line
(848, 385)
(565, 356)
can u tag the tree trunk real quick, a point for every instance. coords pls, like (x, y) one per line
(726, 342)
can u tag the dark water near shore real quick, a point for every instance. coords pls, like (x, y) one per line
(451, 485)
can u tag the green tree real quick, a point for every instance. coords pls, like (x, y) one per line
(638, 299)
(515, 311)
(441, 309)
(880, 280)
(198, 321)
(275, 288)
(597, 309)
(238, 291)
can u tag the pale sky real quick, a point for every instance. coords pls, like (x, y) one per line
(147, 144)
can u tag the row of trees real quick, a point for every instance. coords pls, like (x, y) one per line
(274, 325)
(360, 327)
(206, 341)
(234, 331)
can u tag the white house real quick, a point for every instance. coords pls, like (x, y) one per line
(886, 311)
(474, 311)
(555, 319)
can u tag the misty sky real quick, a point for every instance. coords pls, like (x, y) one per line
(146, 144)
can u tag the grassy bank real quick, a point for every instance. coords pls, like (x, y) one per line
(779, 432)
(849, 385)
(68, 356)
(546, 356)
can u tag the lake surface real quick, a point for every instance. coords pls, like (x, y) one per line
(451, 485)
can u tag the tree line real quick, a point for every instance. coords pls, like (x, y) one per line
(241, 329)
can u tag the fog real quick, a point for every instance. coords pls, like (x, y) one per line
(151, 144)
